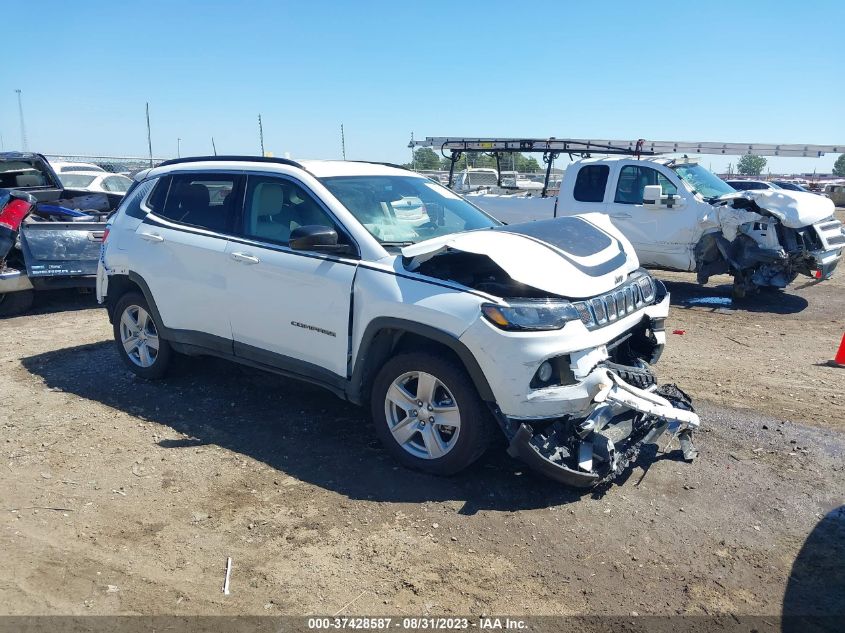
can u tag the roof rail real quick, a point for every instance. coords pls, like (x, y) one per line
(250, 159)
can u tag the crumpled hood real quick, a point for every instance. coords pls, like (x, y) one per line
(794, 209)
(577, 256)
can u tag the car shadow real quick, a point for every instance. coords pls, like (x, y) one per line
(687, 295)
(64, 300)
(296, 428)
(814, 600)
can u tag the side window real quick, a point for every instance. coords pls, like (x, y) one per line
(207, 201)
(275, 206)
(590, 183)
(633, 179)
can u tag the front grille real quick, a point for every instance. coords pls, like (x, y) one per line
(612, 306)
(831, 234)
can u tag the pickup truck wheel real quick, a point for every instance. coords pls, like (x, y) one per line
(428, 414)
(13, 303)
(137, 338)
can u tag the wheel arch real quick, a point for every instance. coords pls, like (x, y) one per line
(119, 285)
(385, 336)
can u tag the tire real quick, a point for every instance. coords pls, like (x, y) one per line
(143, 359)
(455, 447)
(14, 303)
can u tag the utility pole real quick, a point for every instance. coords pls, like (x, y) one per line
(149, 135)
(24, 144)
(178, 148)
(342, 142)
(261, 134)
(413, 154)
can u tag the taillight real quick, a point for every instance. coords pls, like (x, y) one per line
(13, 213)
(105, 234)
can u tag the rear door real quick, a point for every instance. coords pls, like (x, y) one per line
(289, 309)
(661, 237)
(180, 251)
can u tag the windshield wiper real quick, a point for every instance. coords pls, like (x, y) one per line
(396, 243)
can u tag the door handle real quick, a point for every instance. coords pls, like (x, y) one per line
(152, 237)
(621, 216)
(245, 258)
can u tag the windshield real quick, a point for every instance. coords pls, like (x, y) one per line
(401, 210)
(76, 181)
(703, 181)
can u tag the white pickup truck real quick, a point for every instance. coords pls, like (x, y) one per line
(680, 216)
(676, 213)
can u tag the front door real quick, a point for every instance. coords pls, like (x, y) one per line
(289, 309)
(661, 237)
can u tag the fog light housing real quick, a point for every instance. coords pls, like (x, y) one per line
(544, 373)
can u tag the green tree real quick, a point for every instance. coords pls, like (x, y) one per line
(839, 166)
(506, 162)
(425, 158)
(750, 165)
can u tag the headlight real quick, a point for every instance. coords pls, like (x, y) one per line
(531, 315)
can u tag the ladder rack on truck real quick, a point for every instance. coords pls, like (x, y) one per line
(552, 147)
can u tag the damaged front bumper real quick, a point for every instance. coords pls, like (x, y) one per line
(595, 449)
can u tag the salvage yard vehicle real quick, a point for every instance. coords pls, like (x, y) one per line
(446, 329)
(677, 214)
(50, 235)
(102, 182)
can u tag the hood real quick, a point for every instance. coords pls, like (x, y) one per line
(794, 209)
(575, 257)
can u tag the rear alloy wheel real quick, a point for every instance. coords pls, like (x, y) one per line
(137, 338)
(428, 414)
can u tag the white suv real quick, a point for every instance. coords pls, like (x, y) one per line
(448, 328)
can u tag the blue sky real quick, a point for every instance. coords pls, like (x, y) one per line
(701, 71)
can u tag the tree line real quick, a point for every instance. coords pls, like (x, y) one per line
(427, 159)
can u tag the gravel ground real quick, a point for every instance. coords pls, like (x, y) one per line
(121, 496)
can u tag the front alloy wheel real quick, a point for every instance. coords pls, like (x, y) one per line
(427, 413)
(422, 415)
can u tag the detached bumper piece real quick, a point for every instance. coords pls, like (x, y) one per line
(594, 450)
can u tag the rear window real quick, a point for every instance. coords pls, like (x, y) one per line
(591, 183)
(76, 181)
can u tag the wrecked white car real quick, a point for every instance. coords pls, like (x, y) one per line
(680, 216)
(447, 327)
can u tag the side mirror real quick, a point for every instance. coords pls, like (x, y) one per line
(653, 198)
(313, 237)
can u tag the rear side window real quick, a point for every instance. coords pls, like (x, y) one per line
(207, 201)
(591, 182)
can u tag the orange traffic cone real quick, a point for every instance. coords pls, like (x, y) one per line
(840, 355)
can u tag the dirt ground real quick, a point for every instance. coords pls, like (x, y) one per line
(122, 496)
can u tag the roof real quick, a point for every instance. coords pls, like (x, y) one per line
(317, 168)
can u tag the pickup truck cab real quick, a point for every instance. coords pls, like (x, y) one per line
(680, 216)
(446, 328)
(56, 243)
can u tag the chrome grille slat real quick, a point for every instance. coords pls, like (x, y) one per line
(616, 304)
